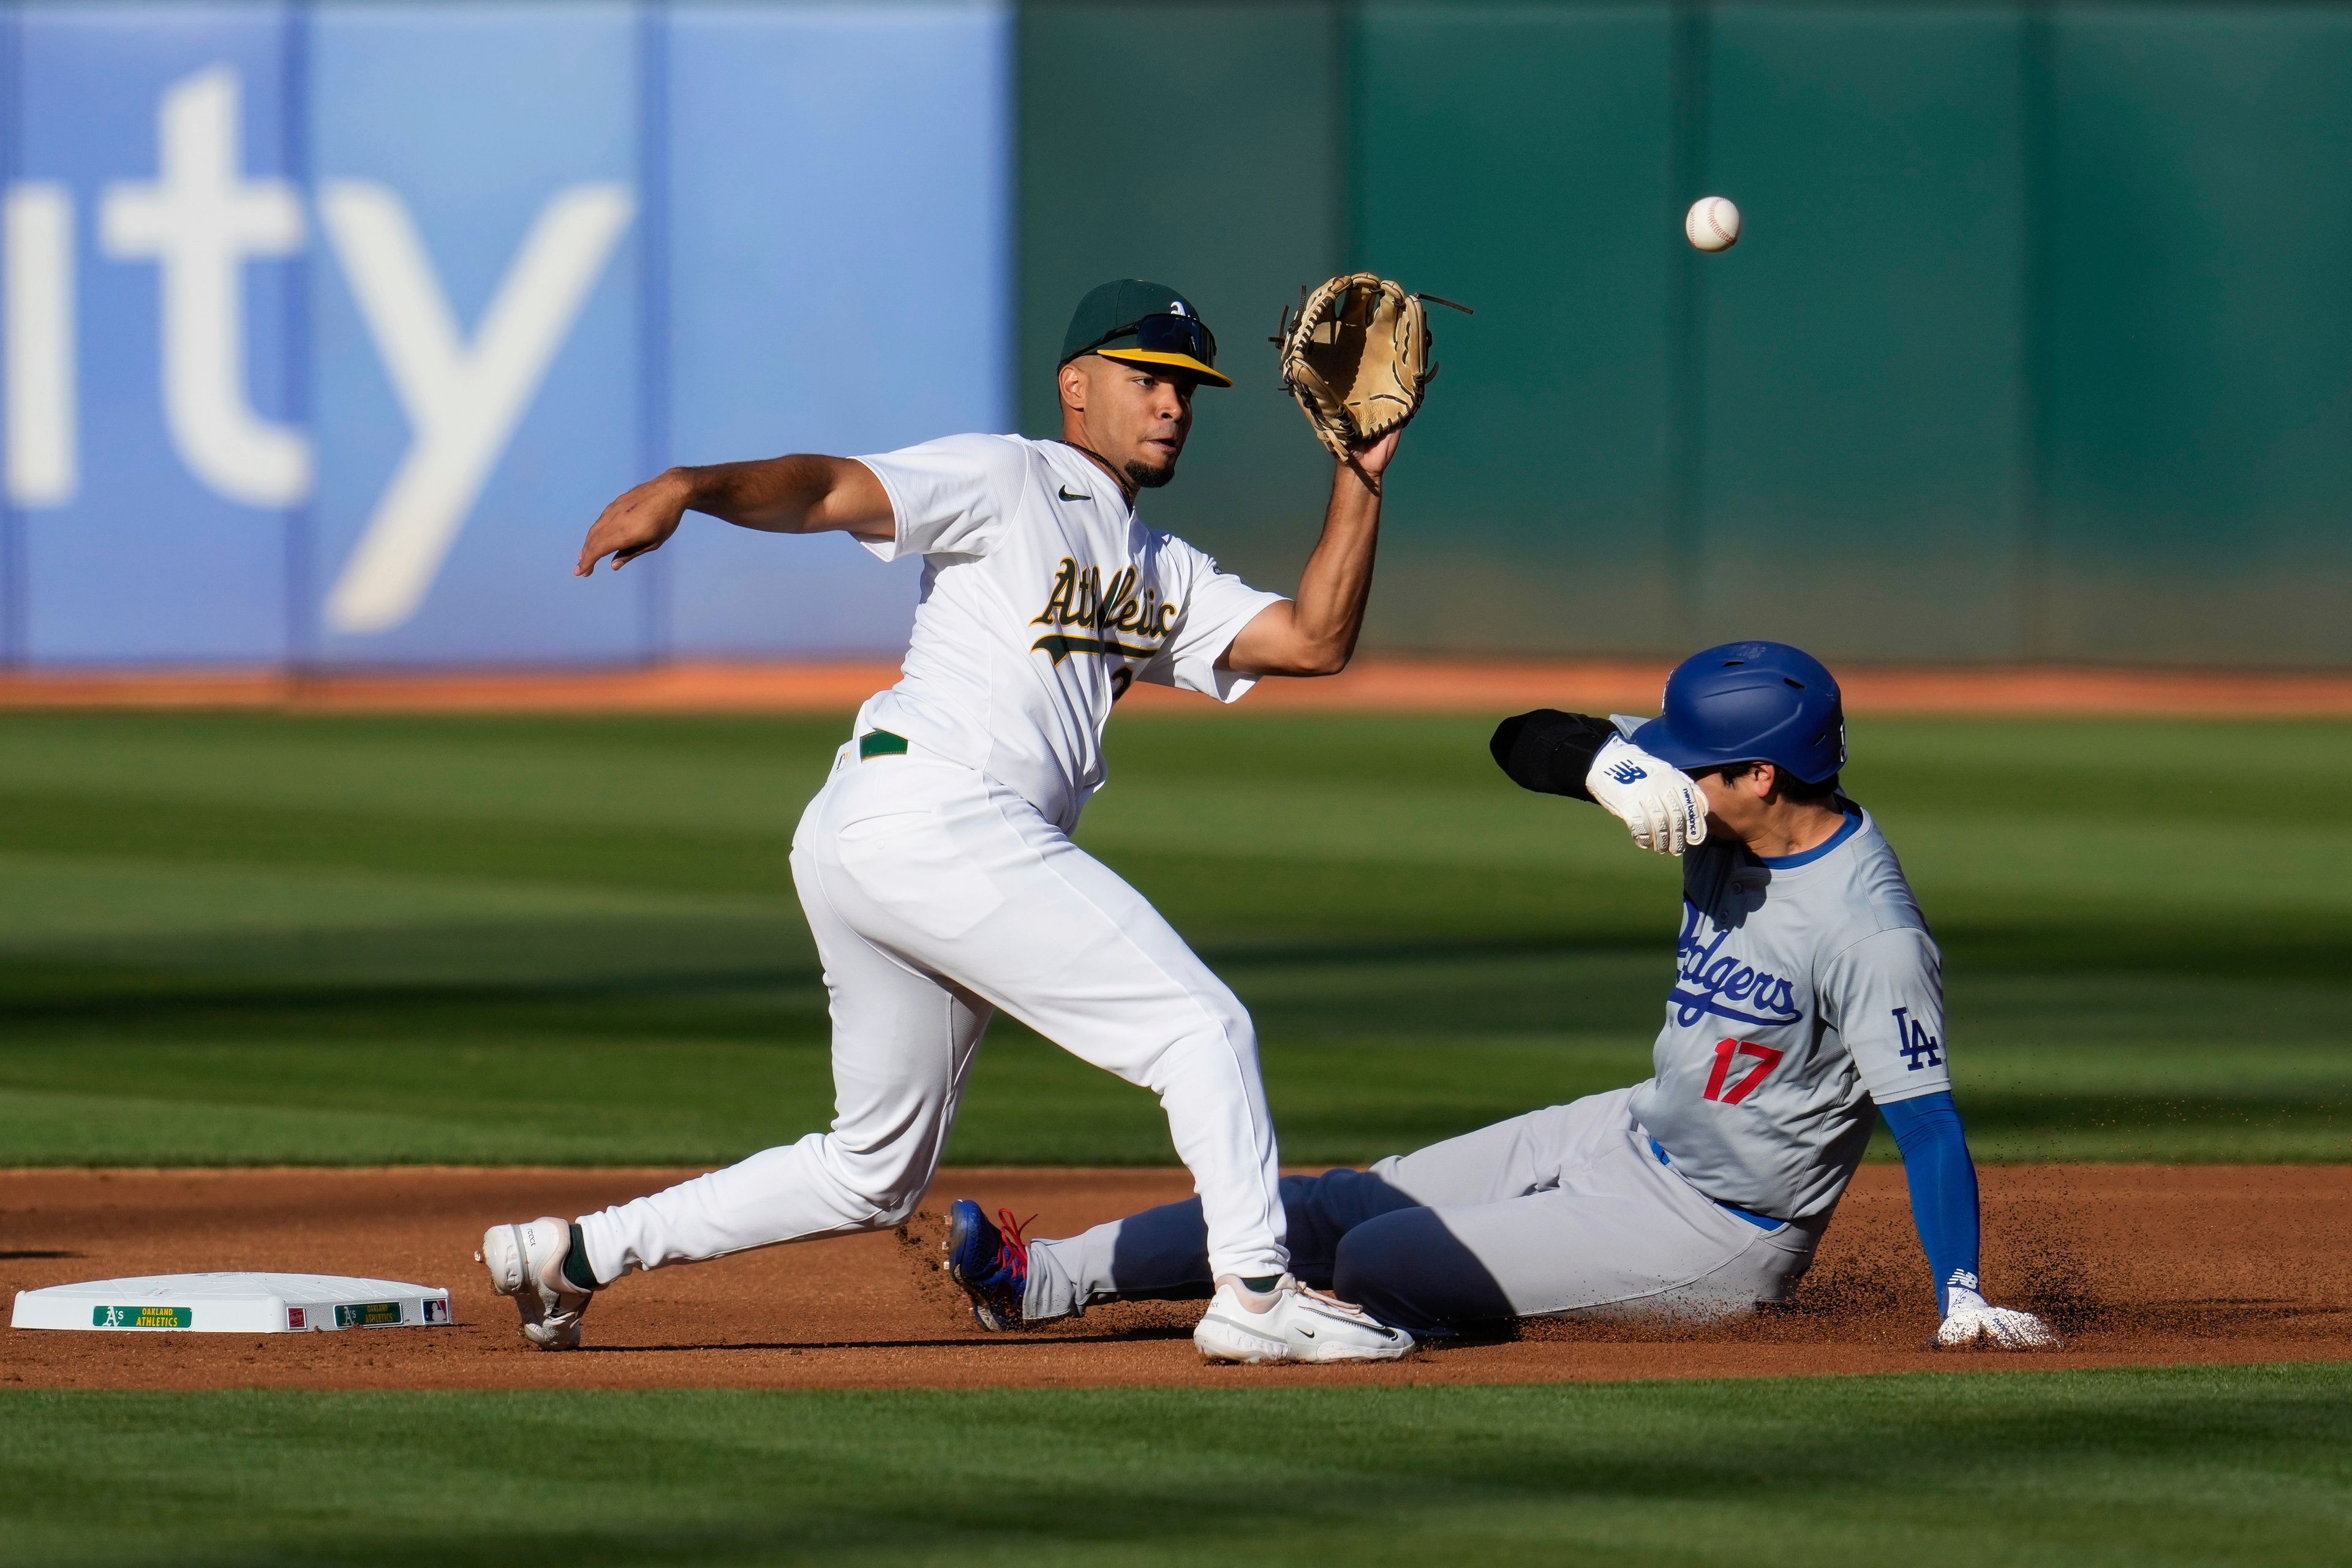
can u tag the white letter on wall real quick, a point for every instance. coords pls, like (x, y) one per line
(463, 401)
(200, 220)
(38, 320)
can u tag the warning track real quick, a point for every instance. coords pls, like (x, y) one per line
(1373, 684)
(2137, 1264)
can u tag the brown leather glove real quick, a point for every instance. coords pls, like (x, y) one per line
(1357, 358)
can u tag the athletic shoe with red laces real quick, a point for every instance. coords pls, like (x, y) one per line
(991, 1262)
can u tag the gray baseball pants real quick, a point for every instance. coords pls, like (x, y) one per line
(1564, 1211)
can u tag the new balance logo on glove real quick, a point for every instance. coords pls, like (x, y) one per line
(1626, 772)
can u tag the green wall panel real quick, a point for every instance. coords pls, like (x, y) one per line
(2034, 347)
(1199, 146)
(1864, 350)
(1516, 158)
(2198, 435)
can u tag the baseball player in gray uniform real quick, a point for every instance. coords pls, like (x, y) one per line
(1806, 1000)
(936, 865)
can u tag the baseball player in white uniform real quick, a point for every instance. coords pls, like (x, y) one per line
(936, 866)
(1806, 1000)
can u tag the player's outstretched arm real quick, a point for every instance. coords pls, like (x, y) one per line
(1943, 1181)
(1316, 633)
(803, 493)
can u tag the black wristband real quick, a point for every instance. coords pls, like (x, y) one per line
(1550, 752)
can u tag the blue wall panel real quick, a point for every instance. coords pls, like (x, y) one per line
(140, 558)
(505, 140)
(839, 262)
(435, 281)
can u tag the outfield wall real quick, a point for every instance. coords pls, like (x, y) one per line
(2035, 345)
(326, 327)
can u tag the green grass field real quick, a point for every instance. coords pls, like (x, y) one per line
(2249, 1466)
(230, 939)
(237, 939)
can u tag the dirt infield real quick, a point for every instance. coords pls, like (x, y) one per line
(1373, 684)
(2137, 1265)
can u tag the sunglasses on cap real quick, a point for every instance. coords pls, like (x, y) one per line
(1166, 335)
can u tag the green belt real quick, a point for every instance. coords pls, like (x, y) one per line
(880, 743)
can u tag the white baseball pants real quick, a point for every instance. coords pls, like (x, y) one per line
(937, 897)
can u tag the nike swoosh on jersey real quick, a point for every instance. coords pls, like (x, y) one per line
(1067, 496)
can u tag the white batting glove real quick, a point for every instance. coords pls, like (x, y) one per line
(1659, 802)
(1971, 1320)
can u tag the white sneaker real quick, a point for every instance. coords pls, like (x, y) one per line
(1291, 1322)
(526, 1262)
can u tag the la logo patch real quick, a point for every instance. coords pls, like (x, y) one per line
(1920, 1049)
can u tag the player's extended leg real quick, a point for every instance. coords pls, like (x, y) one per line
(1049, 934)
(1011, 908)
(903, 1044)
(1163, 1253)
(1553, 1211)
(1565, 1211)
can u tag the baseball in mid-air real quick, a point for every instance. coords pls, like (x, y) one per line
(1713, 222)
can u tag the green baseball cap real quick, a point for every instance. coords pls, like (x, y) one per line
(1137, 322)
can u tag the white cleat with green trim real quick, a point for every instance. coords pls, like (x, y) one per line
(526, 1262)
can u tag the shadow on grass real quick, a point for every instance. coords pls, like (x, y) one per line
(2238, 1465)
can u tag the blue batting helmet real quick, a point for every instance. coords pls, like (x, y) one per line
(1750, 703)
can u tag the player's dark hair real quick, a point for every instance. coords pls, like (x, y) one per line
(1785, 785)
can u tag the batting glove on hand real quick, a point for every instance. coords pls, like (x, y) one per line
(1971, 1320)
(1659, 802)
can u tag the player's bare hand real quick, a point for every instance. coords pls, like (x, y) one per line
(1373, 457)
(1657, 800)
(642, 520)
(1971, 1321)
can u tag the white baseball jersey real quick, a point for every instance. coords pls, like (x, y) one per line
(1806, 990)
(1043, 597)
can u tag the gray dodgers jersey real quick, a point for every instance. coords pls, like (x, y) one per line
(1807, 991)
